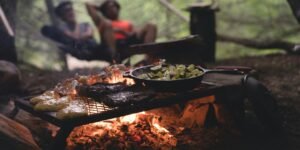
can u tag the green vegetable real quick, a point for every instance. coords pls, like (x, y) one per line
(155, 68)
(172, 72)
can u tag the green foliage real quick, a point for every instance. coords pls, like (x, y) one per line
(267, 19)
(259, 20)
(256, 19)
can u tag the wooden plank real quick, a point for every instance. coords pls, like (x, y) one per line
(156, 48)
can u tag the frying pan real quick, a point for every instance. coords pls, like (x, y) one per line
(172, 85)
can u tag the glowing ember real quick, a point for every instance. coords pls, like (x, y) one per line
(135, 129)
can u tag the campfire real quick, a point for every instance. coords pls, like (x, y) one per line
(168, 127)
(136, 131)
(139, 130)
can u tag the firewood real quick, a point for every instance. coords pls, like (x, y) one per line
(15, 136)
(222, 115)
(195, 112)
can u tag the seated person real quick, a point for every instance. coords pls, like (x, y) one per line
(77, 38)
(123, 31)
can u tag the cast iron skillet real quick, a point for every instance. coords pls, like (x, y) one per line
(171, 85)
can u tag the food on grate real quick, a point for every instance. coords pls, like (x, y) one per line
(126, 98)
(44, 97)
(100, 89)
(52, 105)
(66, 87)
(76, 108)
(171, 72)
(65, 107)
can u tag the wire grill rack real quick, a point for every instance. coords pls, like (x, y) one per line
(94, 107)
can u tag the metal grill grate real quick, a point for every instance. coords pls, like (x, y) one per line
(94, 107)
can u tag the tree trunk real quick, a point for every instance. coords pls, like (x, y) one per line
(55, 22)
(295, 5)
(50, 8)
(7, 41)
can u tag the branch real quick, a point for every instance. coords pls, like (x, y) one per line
(173, 9)
(284, 45)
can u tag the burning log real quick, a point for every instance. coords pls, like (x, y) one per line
(196, 113)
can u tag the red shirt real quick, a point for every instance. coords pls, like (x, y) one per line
(122, 25)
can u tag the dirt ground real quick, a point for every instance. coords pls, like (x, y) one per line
(280, 73)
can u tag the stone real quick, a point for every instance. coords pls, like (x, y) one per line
(10, 77)
(15, 136)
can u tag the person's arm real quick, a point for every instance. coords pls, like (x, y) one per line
(88, 33)
(96, 17)
(71, 35)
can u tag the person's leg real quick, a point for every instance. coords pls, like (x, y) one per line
(57, 35)
(264, 104)
(148, 33)
(107, 37)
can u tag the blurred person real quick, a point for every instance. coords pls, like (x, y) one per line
(125, 34)
(77, 38)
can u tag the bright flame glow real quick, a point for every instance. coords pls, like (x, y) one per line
(106, 125)
(117, 77)
(128, 119)
(160, 128)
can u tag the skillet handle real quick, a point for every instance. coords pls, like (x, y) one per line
(236, 68)
(233, 72)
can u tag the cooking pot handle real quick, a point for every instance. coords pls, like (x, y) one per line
(222, 71)
(233, 72)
